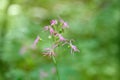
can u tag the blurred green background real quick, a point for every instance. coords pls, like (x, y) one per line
(93, 26)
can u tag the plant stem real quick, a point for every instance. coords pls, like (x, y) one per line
(54, 60)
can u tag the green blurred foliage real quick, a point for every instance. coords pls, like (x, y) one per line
(93, 26)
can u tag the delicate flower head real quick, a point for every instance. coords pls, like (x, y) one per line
(64, 24)
(53, 22)
(46, 28)
(73, 48)
(49, 52)
(61, 38)
(58, 40)
(51, 31)
(36, 41)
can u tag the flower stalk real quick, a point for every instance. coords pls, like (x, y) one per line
(55, 63)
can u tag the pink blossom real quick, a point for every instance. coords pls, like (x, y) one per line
(46, 28)
(65, 25)
(35, 42)
(53, 22)
(51, 30)
(61, 37)
(73, 48)
(49, 52)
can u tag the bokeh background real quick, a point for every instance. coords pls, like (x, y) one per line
(94, 25)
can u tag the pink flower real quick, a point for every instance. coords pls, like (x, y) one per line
(51, 30)
(61, 38)
(53, 22)
(65, 25)
(73, 48)
(35, 42)
(49, 52)
(46, 28)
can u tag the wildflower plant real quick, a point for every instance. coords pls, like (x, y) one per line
(56, 30)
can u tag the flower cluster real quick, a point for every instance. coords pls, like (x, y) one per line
(56, 29)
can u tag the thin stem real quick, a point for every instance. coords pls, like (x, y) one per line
(54, 60)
